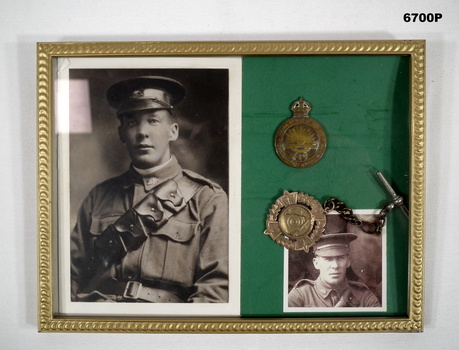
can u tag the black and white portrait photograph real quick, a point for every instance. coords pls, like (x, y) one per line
(146, 154)
(344, 269)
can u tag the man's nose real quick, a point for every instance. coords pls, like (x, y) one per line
(334, 263)
(142, 130)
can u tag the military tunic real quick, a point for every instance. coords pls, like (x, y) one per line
(184, 257)
(307, 293)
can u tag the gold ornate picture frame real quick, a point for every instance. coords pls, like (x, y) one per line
(369, 96)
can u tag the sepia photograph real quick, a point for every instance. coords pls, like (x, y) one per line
(148, 171)
(345, 269)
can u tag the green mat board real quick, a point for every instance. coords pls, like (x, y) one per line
(362, 102)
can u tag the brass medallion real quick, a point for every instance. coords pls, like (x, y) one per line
(295, 221)
(300, 141)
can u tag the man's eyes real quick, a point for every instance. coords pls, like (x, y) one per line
(335, 258)
(133, 122)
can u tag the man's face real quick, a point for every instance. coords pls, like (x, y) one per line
(147, 135)
(332, 268)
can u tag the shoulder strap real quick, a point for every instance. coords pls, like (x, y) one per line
(188, 187)
(303, 282)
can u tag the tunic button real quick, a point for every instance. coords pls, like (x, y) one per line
(131, 226)
(153, 209)
(177, 235)
(172, 194)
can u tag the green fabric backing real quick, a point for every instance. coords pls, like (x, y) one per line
(362, 102)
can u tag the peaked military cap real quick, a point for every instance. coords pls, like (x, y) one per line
(143, 93)
(334, 244)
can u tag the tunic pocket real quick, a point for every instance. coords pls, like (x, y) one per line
(171, 253)
(177, 231)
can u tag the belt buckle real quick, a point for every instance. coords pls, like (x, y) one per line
(132, 290)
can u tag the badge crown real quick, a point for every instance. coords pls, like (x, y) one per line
(301, 108)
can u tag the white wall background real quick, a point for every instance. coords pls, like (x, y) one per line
(25, 22)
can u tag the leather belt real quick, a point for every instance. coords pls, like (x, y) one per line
(137, 291)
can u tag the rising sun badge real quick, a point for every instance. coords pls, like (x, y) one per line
(300, 141)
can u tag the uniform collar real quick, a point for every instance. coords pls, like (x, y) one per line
(154, 176)
(151, 171)
(324, 289)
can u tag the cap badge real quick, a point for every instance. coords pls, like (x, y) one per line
(136, 94)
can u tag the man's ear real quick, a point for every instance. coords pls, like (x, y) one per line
(173, 132)
(121, 134)
(315, 262)
(348, 262)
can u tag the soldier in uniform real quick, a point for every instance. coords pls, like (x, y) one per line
(157, 233)
(331, 288)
